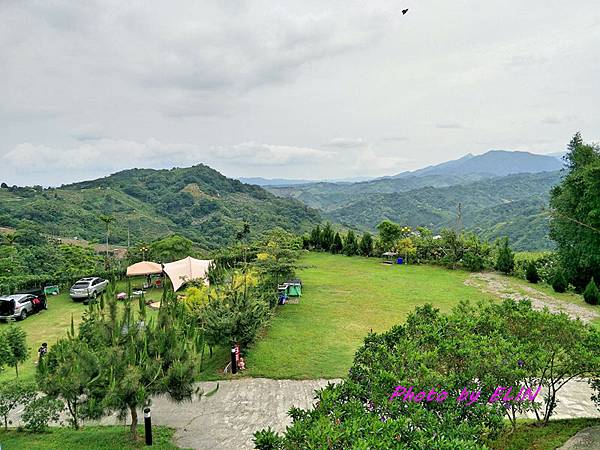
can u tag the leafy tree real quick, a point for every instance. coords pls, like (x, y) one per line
(406, 248)
(13, 394)
(389, 233)
(575, 224)
(366, 244)
(338, 245)
(171, 248)
(39, 412)
(591, 294)
(531, 273)
(327, 237)
(71, 371)
(505, 261)
(14, 350)
(350, 244)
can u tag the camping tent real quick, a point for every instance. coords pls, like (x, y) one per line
(187, 269)
(144, 268)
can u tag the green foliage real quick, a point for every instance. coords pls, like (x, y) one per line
(474, 347)
(315, 237)
(591, 294)
(171, 249)
(365, 246)
(350, 244)
(13, 394)
(70, 371)
(235, 312)
(559, 282)
(327, 237)
(505, 262)
(38, 413)
(389, 233)
(532, 274)
(13, 347)
(575, 204)
(197, 203)
(267, 440)
(338, 245)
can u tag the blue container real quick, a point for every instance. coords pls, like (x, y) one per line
(400, 261)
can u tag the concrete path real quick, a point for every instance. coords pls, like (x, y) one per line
(228, 418)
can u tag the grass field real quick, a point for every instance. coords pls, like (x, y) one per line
(100, 438)
(343, 299)
(528, 436)
(53, 324)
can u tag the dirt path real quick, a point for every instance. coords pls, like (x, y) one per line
(503, 287)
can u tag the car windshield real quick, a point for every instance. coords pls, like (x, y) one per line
(80, 285)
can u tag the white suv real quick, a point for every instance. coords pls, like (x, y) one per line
(87, 288)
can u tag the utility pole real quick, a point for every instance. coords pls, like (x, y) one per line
(459, 219)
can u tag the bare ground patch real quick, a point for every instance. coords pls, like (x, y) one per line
(502, 287)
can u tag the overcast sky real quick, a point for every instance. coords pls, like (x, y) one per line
(308, 89)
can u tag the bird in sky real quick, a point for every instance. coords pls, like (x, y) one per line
(404, 11)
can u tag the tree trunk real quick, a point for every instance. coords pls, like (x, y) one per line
(134, 422)
(5, 422)
(17, 369)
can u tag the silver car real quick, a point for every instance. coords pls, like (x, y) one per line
(88, 288)
(19, 306)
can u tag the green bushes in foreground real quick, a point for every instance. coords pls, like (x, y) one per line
(476, 348)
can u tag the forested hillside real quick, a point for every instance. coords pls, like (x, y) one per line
(197, 202)
(504, 206)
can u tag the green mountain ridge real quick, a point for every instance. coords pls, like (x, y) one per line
(500, 206)
(197, 202)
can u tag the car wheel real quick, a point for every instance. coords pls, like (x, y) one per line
(23, 315)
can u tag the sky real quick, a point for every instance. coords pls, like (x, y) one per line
(285, 89)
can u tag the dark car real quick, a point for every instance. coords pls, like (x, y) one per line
(19, 306)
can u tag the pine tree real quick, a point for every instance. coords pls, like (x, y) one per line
(315, 237)
(531, 273)
(338, 245)
(505, 262)
(13, 350)
(327, 237)
(350, 245)
(366, 244)
(591, 294)
(559, 282)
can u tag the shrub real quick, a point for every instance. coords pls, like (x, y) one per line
(13, 394)
(531, 273)
(559, 283)
(40, 412)
(505, 262)
(267, 440)
(591, 294)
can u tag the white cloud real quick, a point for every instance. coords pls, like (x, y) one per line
(346, 143)
(272, 155)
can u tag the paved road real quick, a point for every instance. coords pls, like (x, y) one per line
(228, 418)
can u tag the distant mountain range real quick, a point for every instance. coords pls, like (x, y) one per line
(259, 181)
(501, 192)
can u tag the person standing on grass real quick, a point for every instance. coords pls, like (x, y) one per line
(42, 351)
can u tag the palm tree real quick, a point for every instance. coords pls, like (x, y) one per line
(107, 221)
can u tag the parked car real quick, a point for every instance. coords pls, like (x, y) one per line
(19, 306)
(88, 288)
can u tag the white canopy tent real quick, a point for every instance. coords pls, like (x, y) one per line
(144, 268)
(187, 269)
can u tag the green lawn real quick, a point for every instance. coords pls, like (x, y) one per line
(343, 299)
(53, 324)
(528, 436)
(100, 438)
